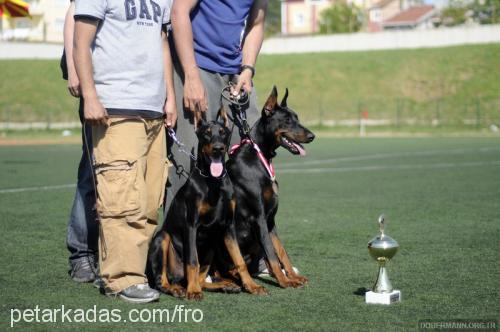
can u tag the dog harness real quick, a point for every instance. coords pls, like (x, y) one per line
(267, 164)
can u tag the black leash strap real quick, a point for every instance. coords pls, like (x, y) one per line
(238, 105)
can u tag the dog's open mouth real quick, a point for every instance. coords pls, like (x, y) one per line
(216, 166)
(293, 147)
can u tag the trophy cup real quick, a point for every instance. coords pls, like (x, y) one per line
(382, 248)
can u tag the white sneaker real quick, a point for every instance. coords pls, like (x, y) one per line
(265, 273)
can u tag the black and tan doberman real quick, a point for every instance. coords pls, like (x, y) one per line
(256, 190)
(200, 218)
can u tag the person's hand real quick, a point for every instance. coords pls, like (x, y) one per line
(195, 95)
(170, 110)
(94, 112)
(73, 83)
(244, 83)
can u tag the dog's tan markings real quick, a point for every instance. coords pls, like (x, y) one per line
(193, 284)
(204, 208)
(223, 115)
(207, 149)
(232, 205)
(267, 193)
(218, 283)
(285, 260)
(240, 265)
(165, 243)
(277, 134)
(168, 259)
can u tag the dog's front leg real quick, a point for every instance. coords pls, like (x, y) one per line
(285, 259)
(234, 251)
(272, 258)
(192, 264)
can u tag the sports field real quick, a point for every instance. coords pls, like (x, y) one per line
(441, 197)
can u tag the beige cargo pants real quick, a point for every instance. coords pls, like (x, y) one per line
(131, 171)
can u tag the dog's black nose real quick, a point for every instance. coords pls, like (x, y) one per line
(310, 136)
(218, 148)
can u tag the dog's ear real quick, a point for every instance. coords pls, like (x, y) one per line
(199, 119)
(222, 116)
(271, 103)
(283, 101)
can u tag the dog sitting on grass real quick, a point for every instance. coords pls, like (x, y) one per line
(200, 218)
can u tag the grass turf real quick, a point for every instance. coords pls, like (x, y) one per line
(424, 85)
(441, 196)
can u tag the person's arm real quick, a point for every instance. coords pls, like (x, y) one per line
(85, 31)
(69, 28)
(195, 95)
(252, 42)
(170, 108)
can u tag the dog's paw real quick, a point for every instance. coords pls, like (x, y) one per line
(194, 296)
(256, 290)
(303, 280)
(231, 288)
(174, 290)
(291, 283)
(178, 291)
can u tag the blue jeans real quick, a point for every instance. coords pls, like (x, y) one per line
(83, 227)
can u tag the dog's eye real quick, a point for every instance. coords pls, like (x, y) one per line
(222, 131)
(288, 120)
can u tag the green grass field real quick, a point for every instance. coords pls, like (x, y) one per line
(441, 197)
(446, 85)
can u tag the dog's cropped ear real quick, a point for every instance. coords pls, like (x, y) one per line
(271, 103)
(199, 119)
(283, 101)
(222, 116)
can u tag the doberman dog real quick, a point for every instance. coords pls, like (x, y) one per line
(200, 218)
(256, 190)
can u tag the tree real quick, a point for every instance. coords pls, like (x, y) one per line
(486, 11)
(454, 14)
(273, 18)
(341, 18)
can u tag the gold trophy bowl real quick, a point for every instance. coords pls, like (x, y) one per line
(382, 248)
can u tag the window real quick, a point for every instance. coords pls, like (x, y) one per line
(298, 20)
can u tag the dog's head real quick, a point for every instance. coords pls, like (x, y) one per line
(284, 124)
(213, 140)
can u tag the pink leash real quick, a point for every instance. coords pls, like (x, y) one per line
(267, 165)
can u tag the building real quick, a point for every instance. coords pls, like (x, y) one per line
(383, 10)
(419, 17)
(300, 17)
(45, 24)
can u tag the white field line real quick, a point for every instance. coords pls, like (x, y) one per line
(385, 155)
(41, 188)
(283, 168)
(389, 167)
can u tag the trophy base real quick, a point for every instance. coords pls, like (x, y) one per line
(383, 298)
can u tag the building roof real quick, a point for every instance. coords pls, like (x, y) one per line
(412, 15)
(381, 4)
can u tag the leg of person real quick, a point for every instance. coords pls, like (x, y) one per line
(82, 232)
(157, 166)
(120, 151)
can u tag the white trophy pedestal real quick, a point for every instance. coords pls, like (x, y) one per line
(383, 298)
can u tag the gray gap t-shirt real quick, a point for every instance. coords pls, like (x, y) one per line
(127, 53)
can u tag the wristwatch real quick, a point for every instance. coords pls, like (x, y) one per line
(251, 68)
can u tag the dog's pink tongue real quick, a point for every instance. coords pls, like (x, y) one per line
(216, 168)
(301, 150)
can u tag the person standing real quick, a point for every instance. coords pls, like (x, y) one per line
(82, 234)
(216, 42)
(123, 61)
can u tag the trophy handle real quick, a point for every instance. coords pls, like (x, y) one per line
(381, 224)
